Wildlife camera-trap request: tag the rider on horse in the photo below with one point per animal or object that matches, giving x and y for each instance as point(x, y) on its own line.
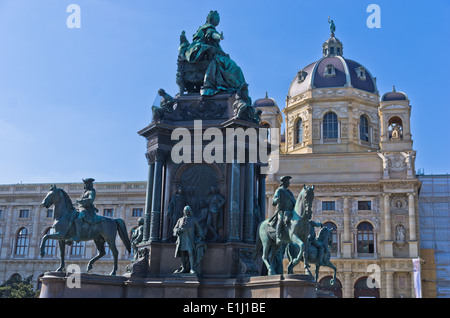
point(284, 200)
point(88, 212)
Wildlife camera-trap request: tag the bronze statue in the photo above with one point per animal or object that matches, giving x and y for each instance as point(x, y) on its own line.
point(284, 200)
point(215, 204)
point(175, 208)
point(189, 245)
point(332, 26)
point(87, 210)
point(165, 106)
point(295, 231)
point(312, 240)
point(137, 236)
point(221, 74)
point(64, 215)
point(242, 106)
point(325, 239)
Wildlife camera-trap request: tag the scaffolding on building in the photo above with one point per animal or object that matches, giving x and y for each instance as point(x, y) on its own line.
point(434, 218)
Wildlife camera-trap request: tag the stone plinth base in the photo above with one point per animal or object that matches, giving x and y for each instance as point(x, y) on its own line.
point(58, 285)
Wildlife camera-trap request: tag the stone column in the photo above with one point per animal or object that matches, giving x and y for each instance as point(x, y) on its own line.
point(148, 201)
point(347, 286)
point(249, 199)
point(413, 243)
point(35, 237)
point(387, 218)
point(347, 243)
point(155, 219)
point(346, 220)
point(412, 217)
point(388, 244)
point(166, 232)
point(389, 285)
point(7, 246)
point(234, 221)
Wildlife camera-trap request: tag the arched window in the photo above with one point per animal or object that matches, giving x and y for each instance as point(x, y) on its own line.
point(298, 131)
point(364, 128)
point(365, 238)
point(50, 245)
point(395, 128)
point(362, 290)
point(333, 228)
point(330, 126)
point(336, 288)
point(22, 242)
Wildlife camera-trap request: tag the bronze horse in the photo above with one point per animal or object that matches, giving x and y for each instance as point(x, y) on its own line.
point(64, 228)
point(324, 238)
point(296, 231)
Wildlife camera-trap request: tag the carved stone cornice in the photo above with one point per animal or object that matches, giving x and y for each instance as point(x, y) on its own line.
point(339, 188)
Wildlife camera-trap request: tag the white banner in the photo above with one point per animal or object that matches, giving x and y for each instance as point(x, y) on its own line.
point(417, 279)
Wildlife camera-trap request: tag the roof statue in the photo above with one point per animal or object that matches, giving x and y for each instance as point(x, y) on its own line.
point(332, 26)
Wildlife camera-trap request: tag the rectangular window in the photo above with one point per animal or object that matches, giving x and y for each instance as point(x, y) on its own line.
point(1, 214)
point(328, 206)
point(49, 213)
point(137, 212)
point(77, 249)
point(364, 205)
point(108, 212)
point(24, 214)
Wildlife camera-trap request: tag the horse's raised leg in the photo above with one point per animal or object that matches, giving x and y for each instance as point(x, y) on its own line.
point(330, 265)
point(54, 236)
point(62, 250)
point(100, 244)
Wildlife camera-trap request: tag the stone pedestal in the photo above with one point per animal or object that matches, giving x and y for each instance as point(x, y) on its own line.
point(54, 285)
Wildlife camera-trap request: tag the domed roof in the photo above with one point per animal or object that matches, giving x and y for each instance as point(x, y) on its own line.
point(394, 95)
point(332, 70)
point(265, 102)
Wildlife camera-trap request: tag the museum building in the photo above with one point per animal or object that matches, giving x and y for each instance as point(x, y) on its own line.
point(354, 146)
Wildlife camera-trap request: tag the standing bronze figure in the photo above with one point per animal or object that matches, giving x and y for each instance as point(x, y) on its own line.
point(189, 245)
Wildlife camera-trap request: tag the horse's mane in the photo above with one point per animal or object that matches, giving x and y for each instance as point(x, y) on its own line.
point(322, 233)
point(67, 199)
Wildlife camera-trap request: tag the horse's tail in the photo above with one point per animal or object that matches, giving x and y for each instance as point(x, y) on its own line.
point(258, 243)
point(122, 229)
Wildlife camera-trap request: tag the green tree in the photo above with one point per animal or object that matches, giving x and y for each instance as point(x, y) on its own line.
point(15, 287)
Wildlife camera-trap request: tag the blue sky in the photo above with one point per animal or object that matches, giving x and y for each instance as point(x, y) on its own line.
point(72, 100)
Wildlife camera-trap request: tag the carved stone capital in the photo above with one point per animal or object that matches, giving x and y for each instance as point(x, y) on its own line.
point(156, 155)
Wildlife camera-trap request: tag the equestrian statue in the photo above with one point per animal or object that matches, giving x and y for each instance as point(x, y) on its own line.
point(83, 224)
